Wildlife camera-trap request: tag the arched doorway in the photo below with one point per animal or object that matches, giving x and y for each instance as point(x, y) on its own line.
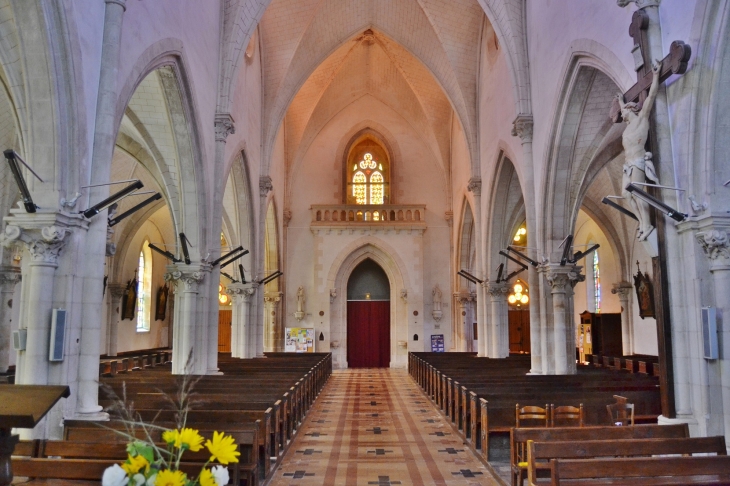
point(368, 317)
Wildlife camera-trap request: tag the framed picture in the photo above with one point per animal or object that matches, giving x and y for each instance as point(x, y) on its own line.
point(644, 294)
point(161, 305)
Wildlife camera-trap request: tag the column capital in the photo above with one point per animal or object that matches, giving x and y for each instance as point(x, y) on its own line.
point(241, 292)
point(43, 233)
point(560, 278)
point(224, 126)
point(622, 289)
point(265, 185)
point(189, 275)
point(522, 127)
point(716, 245)
point(498, 289)
point(273, 297)
point(116, 290)
point(639, 3)
point(333, 295)
point(475, 186)
point(464, 297)
point(9, 274)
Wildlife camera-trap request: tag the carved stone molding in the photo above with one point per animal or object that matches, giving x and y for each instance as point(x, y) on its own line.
point(404, 295)
point(241, 292)
point(475, 186)
point(464, 298)
point(272, 298)
point(333, 295)
point(639, 3)
point(449, 217)
point(265, 185)
point(224, 126)
point(190, 276)
point(715, 244)
point(522, 127)
point(287, 216)
point(44, 244)
point(116, 290)
point(9, 275)
point(562, 278)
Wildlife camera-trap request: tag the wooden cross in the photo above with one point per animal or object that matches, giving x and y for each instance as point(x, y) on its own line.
point(674, 63)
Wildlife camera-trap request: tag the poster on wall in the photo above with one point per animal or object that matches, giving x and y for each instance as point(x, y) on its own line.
point(299, 340)
point(437, 343)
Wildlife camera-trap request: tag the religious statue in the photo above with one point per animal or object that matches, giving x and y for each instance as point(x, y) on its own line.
point(436, 311)
point(639, 166)
point(299, 314)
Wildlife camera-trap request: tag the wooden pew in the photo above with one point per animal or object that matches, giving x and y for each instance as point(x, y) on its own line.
point(539, 454)
point(651, 471)
point(520, 437)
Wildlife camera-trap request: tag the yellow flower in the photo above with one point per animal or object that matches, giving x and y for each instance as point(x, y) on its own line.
point(170, 478)
point(206, 478)
point(170, 436)
point(222, 448)
point(134, 464)
point(189, 439)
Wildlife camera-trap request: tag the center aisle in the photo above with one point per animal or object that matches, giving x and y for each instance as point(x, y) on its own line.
point(375, 426)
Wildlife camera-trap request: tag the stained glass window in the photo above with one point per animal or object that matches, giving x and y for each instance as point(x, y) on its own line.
point(359, 186)
point(376, 188)
point(596, 282)
point(144, 289)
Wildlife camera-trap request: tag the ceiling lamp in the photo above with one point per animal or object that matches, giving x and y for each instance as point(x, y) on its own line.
point(222, 296)
point(518, 297)
point(520, 234)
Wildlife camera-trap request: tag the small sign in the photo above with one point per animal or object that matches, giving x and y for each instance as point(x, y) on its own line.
point(437, 343)
point(299, 340)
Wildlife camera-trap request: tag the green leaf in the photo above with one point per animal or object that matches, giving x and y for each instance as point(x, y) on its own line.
point(142, 449)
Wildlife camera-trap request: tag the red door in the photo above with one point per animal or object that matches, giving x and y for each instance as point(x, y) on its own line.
point(368, 334)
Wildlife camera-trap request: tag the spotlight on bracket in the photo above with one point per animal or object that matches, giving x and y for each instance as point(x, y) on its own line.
point(567, 245)
point(229, 277)
point(469, 276)
point(271, 277)
point(523, 267)
point(618, 207)
point(12, 157)
point(500, 269)
point(115, 220)
point(520, 255)
point(101, 206)
point(184, 242)
point(656, 203)
point(223, 257)
point(235, 257)
point(578, 255)
point(243, 274)
point(164, 253)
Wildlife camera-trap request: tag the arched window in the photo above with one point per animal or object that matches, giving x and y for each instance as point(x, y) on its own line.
point(368, 173)
point(144, 288)
point(596, 282)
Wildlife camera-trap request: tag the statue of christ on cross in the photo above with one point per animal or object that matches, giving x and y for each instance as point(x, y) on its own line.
point(639, 166)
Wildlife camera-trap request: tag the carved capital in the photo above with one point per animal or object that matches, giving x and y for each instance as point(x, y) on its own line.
point(404, 295)
point(241, 292)
point(224, 126)
point(265, 185)
point(622, 289)
point(715, 244)
point(287, 216)
point(116, 290)
point(475, 186)
point(190, 276)
point(272, 298)
point(333, 295)
point(522, 127)
point(562, 278)
point(497, 290)
point(44, 246)
point(449, 217)
point(464, 298)
point(639, 3)
point(9, 275)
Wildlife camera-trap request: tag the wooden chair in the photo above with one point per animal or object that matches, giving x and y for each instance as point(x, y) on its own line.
point(534, 414)
point(566, 415)
point(621, 412)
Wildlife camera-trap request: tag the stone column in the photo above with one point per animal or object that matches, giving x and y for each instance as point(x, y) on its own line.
point(499, 319)
point(190, 336)
point(241, 294)
point(475, 187)
point(522, 127)
point(463, 300)
point(9, 277)
point(561, 280)
point(116, 291)
point(272, 334)
point(624, 290)
point(265, 187)
point(716, 245)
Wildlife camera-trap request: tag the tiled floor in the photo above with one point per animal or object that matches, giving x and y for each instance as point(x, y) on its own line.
point(376, 427)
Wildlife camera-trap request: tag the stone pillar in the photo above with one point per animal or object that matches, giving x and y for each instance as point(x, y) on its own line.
point(499, 319)
point(561, 280)
point(241, 294)
point(273, 336)
point(475, 187)
point(464, 300)
point(114, 308)
point(190, 333)
point(265, 187)
point(105, 134)
point(522, 127)
point(624, 290)
point(716, 245)
point(9, 277)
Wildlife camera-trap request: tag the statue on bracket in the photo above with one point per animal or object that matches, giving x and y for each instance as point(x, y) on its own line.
point(299, 314)
point(129, 301)
point(639, 166)
point(644, 293)
point(161, 307)
point(437, 296)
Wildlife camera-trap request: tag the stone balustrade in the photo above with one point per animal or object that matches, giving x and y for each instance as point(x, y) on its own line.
point(349, 214)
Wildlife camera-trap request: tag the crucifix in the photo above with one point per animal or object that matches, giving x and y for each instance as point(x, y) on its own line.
point(639, 165)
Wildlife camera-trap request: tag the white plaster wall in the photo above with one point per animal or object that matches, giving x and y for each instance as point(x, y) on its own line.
point(419, 180)
point(645, 331)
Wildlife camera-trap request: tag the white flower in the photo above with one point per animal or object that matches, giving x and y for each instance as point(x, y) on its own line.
point(138, 479)
point(114, 476)
point(151, 480)
point(220, 473)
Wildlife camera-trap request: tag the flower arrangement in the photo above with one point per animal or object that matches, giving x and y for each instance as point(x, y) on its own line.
point(157, 463)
